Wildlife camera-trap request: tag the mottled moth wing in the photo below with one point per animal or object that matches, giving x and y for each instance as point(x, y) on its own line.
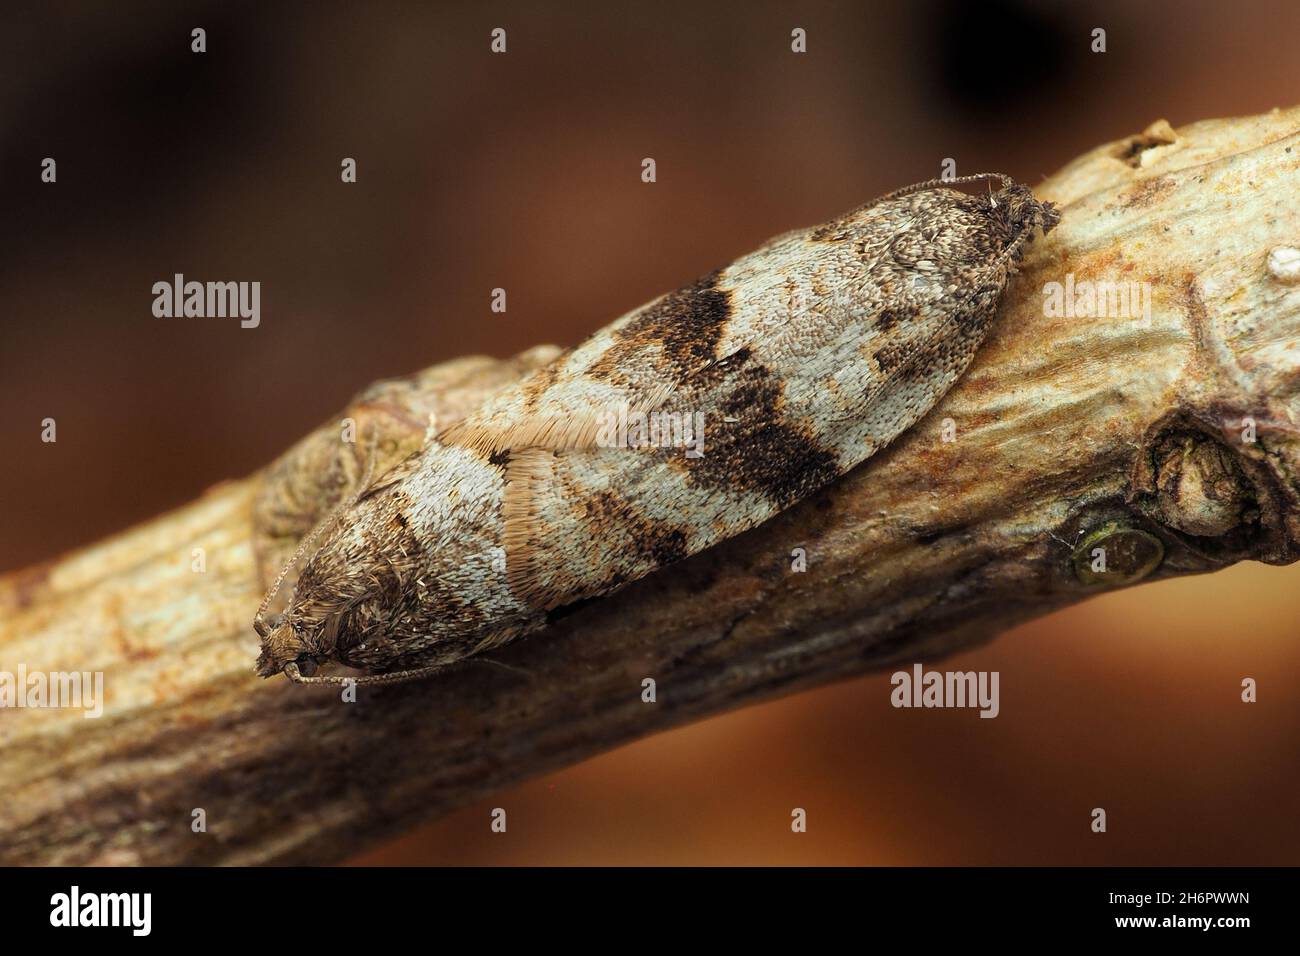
point(772, 376)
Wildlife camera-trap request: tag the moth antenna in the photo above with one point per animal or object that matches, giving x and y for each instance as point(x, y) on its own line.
point(258, 623)
point(394, 677)
point(939, 183)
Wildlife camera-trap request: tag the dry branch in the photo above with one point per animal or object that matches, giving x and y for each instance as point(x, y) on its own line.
point(1072, 433)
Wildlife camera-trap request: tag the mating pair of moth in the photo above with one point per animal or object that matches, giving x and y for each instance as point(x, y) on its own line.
point(804, 358)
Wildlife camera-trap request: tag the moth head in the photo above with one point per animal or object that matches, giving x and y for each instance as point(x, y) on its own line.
point(1021, 213)
point(286, 642)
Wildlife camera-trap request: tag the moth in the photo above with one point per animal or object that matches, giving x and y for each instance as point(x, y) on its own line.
point(792, 365)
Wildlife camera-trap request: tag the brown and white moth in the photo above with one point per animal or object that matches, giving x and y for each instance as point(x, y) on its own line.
point(802, 359)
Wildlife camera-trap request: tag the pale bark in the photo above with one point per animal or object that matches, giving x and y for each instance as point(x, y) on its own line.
point(1071, 434)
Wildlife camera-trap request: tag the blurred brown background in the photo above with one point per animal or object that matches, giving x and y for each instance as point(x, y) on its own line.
point(522, 171)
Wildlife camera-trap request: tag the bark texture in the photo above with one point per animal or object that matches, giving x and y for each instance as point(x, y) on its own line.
point(1165, 442)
